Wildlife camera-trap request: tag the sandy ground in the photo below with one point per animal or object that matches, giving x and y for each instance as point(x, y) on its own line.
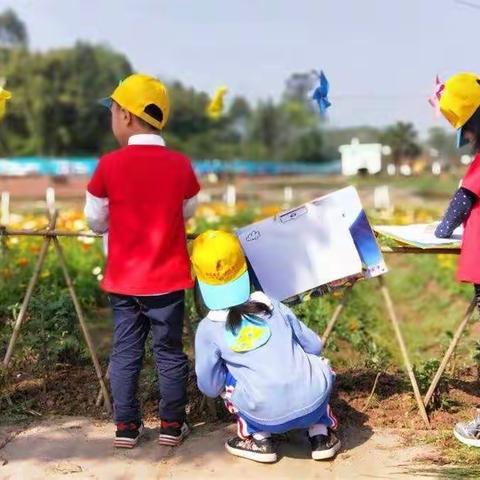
point(81, 448)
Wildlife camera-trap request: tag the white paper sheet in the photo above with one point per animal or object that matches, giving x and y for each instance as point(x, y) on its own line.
point(420, 235)
point(301, 249)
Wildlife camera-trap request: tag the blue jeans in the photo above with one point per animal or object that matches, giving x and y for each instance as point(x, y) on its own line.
point(133, 318)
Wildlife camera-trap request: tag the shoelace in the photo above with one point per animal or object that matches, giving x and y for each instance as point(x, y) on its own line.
point(165, 424)
point(252, 444)
point(127, 426)
point(473, 427)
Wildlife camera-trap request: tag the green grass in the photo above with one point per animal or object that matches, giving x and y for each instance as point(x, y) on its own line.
point(454, 453)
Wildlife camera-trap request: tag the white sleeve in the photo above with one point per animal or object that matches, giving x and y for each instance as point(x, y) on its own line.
point(189, 207)
point(96, 212)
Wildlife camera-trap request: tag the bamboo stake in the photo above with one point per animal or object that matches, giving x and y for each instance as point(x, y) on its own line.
point(99, 399)
point(57, 233)
point(191, 336)
point(406, 359)
point(449, 352)
point(336, 315)
point(48, 233)
point(83, 324)
point(31, 285)
point(367, 403)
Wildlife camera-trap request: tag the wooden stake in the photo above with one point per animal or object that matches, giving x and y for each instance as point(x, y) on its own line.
point(31, 285)
point(336, 315)
point(83, 324)
point(99, 399)
point(191, 335)
point(367, 403)
point(449, 352)
point(401, 343)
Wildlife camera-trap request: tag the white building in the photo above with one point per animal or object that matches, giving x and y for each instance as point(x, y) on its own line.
point(362, 156)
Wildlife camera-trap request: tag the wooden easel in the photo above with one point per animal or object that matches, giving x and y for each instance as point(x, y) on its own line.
point(50, 235)
point(422, 403)
point(398, 334)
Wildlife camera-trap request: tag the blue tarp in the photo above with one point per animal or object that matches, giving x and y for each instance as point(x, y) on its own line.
point(86, 165)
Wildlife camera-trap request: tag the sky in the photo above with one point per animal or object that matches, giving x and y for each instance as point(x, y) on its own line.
point(380, 56)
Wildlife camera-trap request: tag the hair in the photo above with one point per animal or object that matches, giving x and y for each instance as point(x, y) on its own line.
point(473, 126)
point(235, 314)
point(153, 111)
point(250, 308)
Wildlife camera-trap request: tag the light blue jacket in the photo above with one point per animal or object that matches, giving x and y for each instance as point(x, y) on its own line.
point(280, 381)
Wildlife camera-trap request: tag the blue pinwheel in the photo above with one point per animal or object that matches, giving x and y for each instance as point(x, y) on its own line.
point(320, 94)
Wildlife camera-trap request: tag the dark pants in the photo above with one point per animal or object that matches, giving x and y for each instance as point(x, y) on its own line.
point(133, 318)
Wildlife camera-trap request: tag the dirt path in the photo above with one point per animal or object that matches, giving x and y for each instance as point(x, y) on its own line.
point(81, 448)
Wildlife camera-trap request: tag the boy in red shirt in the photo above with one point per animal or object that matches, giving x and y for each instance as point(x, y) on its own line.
point(141, 195)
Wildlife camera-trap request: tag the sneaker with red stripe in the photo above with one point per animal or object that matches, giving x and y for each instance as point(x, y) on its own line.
point(172, 433)
point(127, 434)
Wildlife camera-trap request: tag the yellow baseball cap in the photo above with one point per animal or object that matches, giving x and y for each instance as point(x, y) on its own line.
point(144, 96)
point(221, 269)
point(459, 101)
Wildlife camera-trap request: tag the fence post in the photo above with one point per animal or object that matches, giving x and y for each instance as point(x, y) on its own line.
point(50, 199)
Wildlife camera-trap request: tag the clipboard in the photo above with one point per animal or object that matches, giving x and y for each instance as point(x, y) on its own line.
point(300, 249)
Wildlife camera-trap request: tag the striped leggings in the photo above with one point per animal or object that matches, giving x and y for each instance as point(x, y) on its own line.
point(317, 422)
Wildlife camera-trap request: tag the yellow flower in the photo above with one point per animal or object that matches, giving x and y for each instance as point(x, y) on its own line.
point(23, 262)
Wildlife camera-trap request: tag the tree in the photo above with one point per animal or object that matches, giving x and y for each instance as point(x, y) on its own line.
point(269, 128)
point(13, 32)
point(239, 115)
point(187, 116)
point(443, 142)
point(402, 139)
point(308, 148)
point(298, 86)
point(240, 108)
point(53, 110)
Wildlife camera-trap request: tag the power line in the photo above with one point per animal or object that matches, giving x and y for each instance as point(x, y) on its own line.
point(468, 4)
point(354, 96)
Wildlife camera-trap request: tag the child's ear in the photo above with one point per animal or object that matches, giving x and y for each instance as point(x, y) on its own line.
point(127, 117)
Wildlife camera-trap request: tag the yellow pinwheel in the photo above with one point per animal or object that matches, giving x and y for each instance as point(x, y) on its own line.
point(4, 96)
point(215, 107)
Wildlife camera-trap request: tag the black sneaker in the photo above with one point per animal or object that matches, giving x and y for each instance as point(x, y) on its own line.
point(127, 434)
point(172, 433)
point(258, 450)
point(325, 446)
